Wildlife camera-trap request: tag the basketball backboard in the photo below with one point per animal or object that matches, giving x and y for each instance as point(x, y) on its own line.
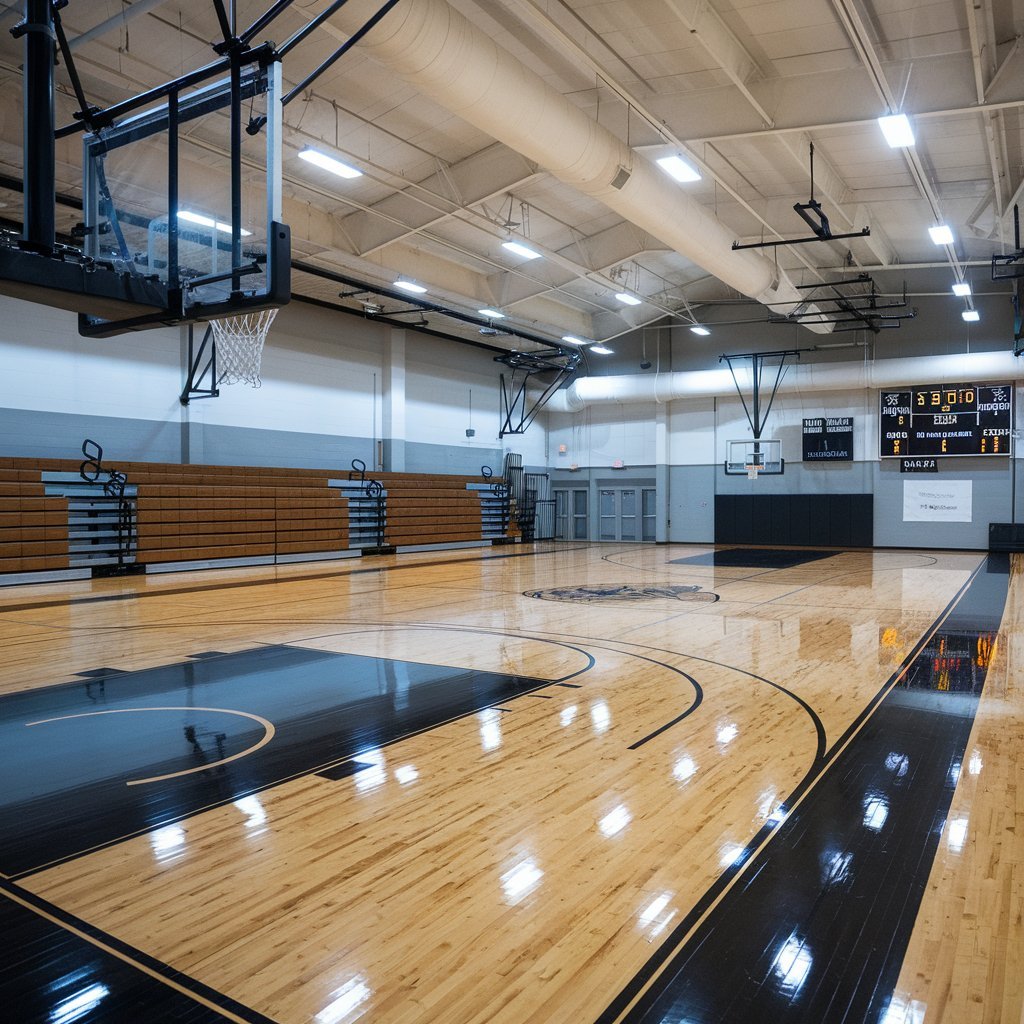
point(750, 458)
point(169, 198)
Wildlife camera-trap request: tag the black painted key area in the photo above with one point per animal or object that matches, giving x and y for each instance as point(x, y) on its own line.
point(754, 558)
point(75, 758)
point(818, 926)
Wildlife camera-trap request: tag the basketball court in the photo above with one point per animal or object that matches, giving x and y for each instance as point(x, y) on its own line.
point(663, 699)
point(439, 791)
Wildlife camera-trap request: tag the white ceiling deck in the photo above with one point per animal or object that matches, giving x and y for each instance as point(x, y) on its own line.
point(739, 88)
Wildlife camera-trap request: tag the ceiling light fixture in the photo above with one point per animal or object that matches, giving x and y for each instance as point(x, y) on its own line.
point(570, 339)
point(601, 350)
point(702, 331)
point(676, 167)
point(521, 250)
point(897, 131)
point(328, 163)
point(627, 300)
point(208, 222)
point(971, 315)
point(494, 314)
point(410, 286)
point(941, 234)
point(961, 288)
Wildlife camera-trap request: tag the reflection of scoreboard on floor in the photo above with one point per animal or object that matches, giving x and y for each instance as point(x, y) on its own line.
point(951, 419)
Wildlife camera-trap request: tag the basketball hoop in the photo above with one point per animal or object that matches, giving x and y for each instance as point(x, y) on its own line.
point(752, 472)
point(240, 346)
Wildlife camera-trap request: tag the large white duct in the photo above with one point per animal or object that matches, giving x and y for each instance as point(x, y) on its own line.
point(436, 49)
point(799, 378)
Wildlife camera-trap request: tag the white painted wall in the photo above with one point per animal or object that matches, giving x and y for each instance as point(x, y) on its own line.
point(691, 439)
point(321, 372)
point(600, 434)
point(699, 428)
point(322, 375)
point(440, 377)
point(47, 367)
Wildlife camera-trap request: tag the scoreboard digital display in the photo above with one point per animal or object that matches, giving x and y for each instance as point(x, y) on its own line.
point(948, 419)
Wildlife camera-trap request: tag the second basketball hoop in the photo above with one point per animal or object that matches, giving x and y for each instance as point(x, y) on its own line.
point(751, 458)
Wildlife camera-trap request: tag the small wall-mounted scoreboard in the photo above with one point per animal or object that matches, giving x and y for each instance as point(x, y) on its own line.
point(947, 419)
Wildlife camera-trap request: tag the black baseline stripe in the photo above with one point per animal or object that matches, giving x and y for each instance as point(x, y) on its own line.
point(818, 925)
point(51, 972)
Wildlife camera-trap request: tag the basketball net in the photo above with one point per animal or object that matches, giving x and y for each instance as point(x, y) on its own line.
point(240, 346)
point(752, 472)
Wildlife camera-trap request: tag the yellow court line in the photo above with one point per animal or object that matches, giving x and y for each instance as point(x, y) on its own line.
point(268, 735)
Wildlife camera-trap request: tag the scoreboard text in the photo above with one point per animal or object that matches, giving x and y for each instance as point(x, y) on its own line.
point(951, 419)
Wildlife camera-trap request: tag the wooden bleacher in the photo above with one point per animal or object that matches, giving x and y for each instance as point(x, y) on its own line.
point(33, 527)
point(196, 513)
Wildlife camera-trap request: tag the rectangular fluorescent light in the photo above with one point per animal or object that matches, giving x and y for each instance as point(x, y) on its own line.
point(570, 340)
point(494, 314)
point(626, 299)
point(961, 288)
point(208, 222)
point(897, 130)
point(328, 163)
point(521, 250)
point(601, 350)
point(676, 167)
point(971, 315)
point(941, 235)
point(410, 286)
point(702, 331)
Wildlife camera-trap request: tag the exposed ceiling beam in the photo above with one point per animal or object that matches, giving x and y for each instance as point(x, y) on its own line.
point(115, 21)
point(553, 33)
point(484, 175)
point(860, 39)
point(728, 52)
point(820, 126)
point(981, 32)
point(638, 107)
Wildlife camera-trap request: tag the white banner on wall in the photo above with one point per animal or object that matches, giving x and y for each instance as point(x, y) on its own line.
point(941, 501)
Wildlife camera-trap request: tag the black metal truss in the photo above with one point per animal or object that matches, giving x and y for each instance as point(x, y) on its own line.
point(851, 301)
point(548, 370)
point(1013, 262)
point(757, 417)
point(202, 365)
point(814, 217)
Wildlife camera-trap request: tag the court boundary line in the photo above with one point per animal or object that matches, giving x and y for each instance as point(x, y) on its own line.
point(196, 990)
point(642, 981)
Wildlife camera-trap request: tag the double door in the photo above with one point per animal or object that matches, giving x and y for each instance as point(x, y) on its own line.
point(626, 514)
point(571, 513)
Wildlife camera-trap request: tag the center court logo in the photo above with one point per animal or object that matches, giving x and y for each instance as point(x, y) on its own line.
point(596, 592)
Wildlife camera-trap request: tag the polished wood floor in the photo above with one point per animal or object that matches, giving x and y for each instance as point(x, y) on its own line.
point(522, 863)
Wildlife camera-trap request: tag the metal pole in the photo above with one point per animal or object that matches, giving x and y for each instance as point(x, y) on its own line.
point(755, 367)
point(172, 195)
point(338, 54)
point(40, 188)
point(236, 172)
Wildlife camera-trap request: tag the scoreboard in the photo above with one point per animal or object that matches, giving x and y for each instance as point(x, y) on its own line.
point(947, 419)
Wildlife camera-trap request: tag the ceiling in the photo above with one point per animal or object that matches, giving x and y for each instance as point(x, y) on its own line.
point(740, 88)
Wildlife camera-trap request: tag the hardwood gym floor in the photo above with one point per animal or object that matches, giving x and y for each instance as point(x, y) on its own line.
point(575, 783)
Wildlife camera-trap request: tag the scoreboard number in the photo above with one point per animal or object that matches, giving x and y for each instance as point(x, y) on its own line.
point(948, 420)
